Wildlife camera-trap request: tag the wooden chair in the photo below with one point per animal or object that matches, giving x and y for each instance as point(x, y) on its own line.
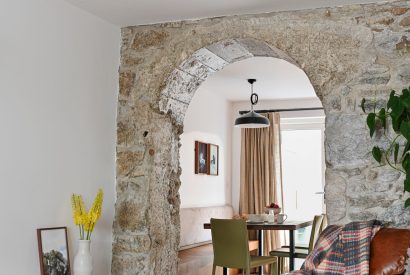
point(324, 223)
point(323, 226)
point(231, 247)
point(300, 252)
point(253, 247)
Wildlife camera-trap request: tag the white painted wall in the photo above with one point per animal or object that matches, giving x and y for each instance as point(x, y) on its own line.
point(208, 120)
point(58, 93)
point(262, 105)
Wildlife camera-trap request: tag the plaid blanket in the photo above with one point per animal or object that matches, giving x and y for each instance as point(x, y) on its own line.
point(342, 250)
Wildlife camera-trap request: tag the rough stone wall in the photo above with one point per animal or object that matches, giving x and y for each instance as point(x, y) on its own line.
point(348, 53)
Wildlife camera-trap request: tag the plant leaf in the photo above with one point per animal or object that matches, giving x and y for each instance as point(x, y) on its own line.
point(362, 104)
point(377, 154)
point(405, 99)
point(371, 123)
point(407, 203)
point(405, 163)
point(406, 148)
point(396, 122)
point(392, 98)
point(397, 108)
point(407, 184)
point(405, 129)
point(396, 151)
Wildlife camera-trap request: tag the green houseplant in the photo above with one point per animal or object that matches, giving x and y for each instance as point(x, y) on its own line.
point(395, 116)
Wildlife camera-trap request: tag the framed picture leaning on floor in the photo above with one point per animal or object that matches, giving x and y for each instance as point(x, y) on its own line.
point(53, 251)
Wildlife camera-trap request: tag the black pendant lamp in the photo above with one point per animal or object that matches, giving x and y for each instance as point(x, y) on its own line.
point(252, 119)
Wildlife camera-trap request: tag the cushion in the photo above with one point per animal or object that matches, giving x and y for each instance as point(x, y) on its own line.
point(388, 251)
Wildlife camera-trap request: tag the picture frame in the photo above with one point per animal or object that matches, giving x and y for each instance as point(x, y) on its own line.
point(213, 159)
point(201, 158)
point(53, 251)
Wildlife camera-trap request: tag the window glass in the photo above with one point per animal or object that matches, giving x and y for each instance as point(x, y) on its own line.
point(302, 174)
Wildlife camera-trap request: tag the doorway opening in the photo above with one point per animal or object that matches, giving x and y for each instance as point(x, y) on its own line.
point(209, 118)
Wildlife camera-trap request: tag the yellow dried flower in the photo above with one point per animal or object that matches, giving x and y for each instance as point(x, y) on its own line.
point(95, 209)
point(74, 208)
point(78, 208)
point(86, 220)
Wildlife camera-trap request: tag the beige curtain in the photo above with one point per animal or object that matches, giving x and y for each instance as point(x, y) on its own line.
point(261, 173)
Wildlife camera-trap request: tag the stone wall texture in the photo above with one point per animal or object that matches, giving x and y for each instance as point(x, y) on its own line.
point(348, 53)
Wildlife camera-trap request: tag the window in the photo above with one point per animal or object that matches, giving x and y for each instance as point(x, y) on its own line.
point(303, 170)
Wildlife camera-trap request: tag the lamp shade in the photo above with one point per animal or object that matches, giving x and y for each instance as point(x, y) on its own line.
point(252, 120)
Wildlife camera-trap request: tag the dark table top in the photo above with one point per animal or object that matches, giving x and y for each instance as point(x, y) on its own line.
point(287, 225)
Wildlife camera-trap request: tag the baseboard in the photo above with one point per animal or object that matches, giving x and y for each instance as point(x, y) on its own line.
point(194, 245)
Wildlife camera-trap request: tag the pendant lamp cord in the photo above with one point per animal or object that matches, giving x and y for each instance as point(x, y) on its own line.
point(254, 98)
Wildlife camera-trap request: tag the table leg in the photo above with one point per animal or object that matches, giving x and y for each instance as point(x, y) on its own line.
point(225, 271)
point(260, 242)
point(291, 250)
point(260, 248)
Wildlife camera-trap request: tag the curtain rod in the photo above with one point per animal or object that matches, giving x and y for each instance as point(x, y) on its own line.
point(283, 110)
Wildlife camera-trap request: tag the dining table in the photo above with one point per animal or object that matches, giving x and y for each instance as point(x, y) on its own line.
point(260, 227)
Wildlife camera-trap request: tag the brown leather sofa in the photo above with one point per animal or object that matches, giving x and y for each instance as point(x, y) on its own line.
point(388, 251)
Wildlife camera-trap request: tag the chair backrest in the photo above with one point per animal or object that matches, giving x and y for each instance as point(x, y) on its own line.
point(230, 243)
point(324, 223)
point(314, 235)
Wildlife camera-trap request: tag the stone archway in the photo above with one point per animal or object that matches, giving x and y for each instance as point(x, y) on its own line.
point(344, 52)
point(174, 99)
point(185, 79)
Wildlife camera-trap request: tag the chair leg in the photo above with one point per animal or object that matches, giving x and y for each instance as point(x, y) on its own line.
point(284, 265)
point(213, 269)
point(273, 268)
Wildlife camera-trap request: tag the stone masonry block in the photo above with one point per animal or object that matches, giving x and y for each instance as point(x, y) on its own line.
point(230, 50)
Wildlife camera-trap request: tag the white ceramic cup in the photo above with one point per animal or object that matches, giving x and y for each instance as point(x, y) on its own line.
point(282, 218)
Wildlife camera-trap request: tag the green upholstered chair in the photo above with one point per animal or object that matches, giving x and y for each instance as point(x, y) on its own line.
point(300, 252)
point(231, 247)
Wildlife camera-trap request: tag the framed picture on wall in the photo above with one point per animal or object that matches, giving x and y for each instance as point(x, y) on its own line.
point(213, 159)
point(201, 158)
point(53, 251)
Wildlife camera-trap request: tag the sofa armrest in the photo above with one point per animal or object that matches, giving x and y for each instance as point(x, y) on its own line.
point(388, 251)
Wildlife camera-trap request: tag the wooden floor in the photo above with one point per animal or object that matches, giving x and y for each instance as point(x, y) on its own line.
point(197, 261)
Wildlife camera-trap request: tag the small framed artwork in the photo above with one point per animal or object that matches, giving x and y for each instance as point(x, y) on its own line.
point(201, 158)
point(53, 251)
point(213, 159)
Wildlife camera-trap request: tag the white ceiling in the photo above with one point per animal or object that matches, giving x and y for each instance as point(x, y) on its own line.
point(140, 12)
point(277, 79)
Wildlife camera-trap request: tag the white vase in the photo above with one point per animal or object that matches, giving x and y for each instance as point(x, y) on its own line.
point(83, 260)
